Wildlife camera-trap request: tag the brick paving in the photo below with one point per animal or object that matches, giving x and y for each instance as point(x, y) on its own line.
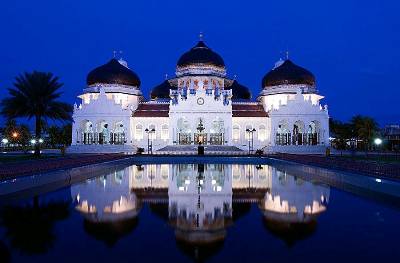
point(12, 170)
point(368, 167)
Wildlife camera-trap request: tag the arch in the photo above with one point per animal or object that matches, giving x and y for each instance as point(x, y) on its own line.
point(283, 135)
point(118, 133)
point(184, 131)
point(217, 130)
point(164, 132)
point(153, 135)
point(313, 132)
point(86, 132)
point(298, 136)
point(262, 133)
point(139, 131)
point(236, 132)
point(103, 129)
point(247, 134)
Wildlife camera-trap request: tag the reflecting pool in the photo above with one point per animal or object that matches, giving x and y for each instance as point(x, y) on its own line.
point(201, 212)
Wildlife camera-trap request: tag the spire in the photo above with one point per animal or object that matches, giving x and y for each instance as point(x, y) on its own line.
point(114, 53)
point(201, 36)
point(287, 54)
point(166, 76)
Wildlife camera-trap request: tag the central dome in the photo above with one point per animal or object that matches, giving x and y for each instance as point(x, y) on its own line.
point(200, 54)
point(113, 72)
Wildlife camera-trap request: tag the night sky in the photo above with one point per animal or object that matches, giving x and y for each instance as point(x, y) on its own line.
point(352, 47)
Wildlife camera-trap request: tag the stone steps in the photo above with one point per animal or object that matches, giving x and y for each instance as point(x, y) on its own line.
point(104, 148)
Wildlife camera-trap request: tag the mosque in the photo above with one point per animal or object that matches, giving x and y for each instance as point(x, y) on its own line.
point(200, 105)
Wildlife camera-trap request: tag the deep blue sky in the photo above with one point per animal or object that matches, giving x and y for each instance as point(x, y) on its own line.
point(352, 47)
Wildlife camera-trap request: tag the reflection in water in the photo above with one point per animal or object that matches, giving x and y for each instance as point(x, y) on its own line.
point(108, 206)
point(292, 206)
point(200, 201)
point(29, 226)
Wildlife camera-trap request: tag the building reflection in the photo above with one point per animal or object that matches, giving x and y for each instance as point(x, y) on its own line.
point(108, 206)
point(292, 206)
point(200, 202)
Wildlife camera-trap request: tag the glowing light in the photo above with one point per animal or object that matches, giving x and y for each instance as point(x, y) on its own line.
point(33, 141)
point(15, 135)
point(378, 141)
point(4, 140)
point(40, 140)
point(378, 180)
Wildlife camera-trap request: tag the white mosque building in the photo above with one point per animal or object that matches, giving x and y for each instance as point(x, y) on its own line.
point(200, 105)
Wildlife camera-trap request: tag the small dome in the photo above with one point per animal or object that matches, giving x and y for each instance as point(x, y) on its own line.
point(161, 91)
point(200, 54)
point(239, 92)
point(288, 73)
point(113, 72)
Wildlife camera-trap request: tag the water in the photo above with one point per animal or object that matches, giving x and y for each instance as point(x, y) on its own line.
point(204, 212)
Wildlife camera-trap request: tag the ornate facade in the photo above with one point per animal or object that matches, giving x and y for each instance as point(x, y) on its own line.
point(200, 105)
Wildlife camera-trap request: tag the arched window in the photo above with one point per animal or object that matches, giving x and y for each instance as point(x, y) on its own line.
point(283, 135)
point(262, 133)
point(247, 134)
point(236, 133)
point(154, 133)
point(164, 132)
point(139, 132)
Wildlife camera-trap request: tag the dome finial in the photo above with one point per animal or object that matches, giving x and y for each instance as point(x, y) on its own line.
point(114, 53)
point(201, 36)
point(166, 76)
point(287, 54)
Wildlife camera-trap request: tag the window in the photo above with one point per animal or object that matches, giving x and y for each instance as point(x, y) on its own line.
point(164, 132)
point(262, 133)
point(152, 134)
point(236, 133)
point(139, 132)
point(247, 134)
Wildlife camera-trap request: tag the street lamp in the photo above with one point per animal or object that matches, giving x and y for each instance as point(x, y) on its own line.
point(148, 140)
point(251, 137)
point(15, 135)
point(378, 141)
point(33, 141)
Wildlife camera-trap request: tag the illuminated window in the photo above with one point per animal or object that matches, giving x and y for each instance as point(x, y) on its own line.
point(236, 132)
point(247, 135)
point(152, 134)
point(262, 133)
point(139, 132)
point(164, 132)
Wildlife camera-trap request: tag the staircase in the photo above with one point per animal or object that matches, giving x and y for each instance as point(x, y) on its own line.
point(101, 148)
point(192, 149)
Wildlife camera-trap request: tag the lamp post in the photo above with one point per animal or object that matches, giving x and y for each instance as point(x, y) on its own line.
point(149, 148)
point(378, 142)
point(251, 137)
point(4, 141)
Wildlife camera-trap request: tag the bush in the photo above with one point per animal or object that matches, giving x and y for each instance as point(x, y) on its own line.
point(140, 150)
point(259, 152)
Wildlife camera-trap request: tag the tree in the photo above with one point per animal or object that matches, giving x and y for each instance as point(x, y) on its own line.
point(342, 132)
point(365, 129)
point(35, 95)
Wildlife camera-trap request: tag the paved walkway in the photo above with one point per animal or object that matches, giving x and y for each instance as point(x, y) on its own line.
point(12, 170)
point(369, 167)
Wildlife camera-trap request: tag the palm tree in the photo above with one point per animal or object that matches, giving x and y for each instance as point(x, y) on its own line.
point(35, 95)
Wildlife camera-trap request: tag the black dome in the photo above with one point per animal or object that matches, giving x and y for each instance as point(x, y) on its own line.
point(161, 91)
point(113, 73)
point(240, 92)
point(288, 73)
point(200, 54)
